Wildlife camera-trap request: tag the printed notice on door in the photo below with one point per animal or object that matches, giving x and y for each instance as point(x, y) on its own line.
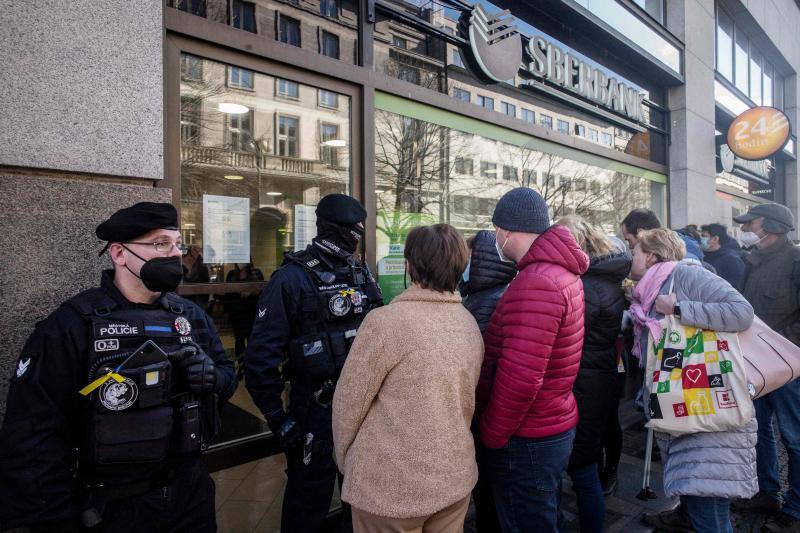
point(226, 229)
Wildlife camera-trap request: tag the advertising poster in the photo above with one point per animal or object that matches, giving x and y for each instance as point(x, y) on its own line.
point(226, 229)
point(305, 225)
point(393, 228)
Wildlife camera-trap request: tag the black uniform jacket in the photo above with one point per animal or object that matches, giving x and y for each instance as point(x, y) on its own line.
point(45, 417)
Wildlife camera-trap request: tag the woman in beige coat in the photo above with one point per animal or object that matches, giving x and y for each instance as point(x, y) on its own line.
point(404, 402)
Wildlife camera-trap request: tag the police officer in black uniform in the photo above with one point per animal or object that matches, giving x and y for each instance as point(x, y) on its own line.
point(103, 430)
point(306, 320)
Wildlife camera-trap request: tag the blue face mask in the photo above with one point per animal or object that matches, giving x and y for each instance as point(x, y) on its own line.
point(465, 275)
point(704, 243)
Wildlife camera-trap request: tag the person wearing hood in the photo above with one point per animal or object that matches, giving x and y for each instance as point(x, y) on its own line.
point(526, 410)
point(772, 285)
point(483, 283)
point(597, 384)
point(725, 259)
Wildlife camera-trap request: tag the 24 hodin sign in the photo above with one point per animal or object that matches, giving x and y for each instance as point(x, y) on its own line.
point(758, 133)
point(496, 54)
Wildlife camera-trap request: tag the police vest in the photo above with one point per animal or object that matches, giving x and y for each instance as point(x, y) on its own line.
point(149, 414)
point(328, 321)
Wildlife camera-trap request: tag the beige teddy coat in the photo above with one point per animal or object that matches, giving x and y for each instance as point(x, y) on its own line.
point(404, 404)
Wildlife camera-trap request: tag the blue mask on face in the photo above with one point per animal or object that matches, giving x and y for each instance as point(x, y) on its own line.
point(465, 275)
point(704, 243)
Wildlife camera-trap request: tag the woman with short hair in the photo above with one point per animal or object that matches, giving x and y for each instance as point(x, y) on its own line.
point(705, 469)
point(405, 399)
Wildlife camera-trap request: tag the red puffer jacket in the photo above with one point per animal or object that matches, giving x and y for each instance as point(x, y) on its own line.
point(533, 345)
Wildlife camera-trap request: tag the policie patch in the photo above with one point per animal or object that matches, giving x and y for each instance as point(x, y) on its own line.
point(339, 304)
point(182, 326)
point(117, 396)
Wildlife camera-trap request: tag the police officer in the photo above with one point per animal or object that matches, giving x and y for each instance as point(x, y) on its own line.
point(306, 321)
point(103, 430)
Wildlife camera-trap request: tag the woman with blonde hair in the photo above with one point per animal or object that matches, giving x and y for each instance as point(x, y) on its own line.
point(705, 469)
point(597, 385)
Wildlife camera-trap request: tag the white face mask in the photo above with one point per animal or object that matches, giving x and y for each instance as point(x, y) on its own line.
point(748, 238)
point(500, 250)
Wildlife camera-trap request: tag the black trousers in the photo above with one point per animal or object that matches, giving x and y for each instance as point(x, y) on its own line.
point(185, 504)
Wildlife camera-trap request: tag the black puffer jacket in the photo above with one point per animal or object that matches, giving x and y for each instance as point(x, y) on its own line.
point(488, 278)
point(605, 302)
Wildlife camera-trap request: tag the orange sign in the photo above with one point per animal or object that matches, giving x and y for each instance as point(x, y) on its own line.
point(639, 145)
point(758, 133)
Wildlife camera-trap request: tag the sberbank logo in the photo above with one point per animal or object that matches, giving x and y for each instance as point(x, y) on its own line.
point(495, 42)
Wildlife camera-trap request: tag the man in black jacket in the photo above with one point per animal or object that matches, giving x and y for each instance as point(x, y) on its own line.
point(724, 258)
point(101, 434)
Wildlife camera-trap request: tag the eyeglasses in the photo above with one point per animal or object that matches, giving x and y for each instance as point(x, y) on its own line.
point(162, 246)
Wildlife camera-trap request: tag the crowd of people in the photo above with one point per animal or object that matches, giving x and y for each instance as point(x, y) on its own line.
point(495, 374)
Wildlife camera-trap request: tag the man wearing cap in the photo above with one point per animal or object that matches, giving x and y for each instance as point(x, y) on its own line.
point(306, 321)
point(102, 429)
point(772, 284)
point(526, 410)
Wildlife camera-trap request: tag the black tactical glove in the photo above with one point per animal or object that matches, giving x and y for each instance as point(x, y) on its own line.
point(198, 369)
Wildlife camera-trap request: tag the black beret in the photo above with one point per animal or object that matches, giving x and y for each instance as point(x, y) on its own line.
point(341, 209)
point(136, 220)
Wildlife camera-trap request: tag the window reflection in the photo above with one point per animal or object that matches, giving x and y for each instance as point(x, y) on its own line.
point(416, 183)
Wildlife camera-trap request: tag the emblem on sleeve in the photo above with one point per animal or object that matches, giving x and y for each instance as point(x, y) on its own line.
point(23, 366)
point(117, 396)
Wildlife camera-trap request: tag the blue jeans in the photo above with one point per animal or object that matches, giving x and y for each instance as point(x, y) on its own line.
point(591, 502)
point(784, 403)
point(525, 477)
point(708, 514)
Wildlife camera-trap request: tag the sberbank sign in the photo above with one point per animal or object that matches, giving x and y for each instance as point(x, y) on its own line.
point(549, 61)
point(497, 49)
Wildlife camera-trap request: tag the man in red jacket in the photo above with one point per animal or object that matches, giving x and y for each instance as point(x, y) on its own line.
point(526, 409)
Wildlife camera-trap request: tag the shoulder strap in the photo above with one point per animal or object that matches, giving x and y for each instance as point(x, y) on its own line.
point(92, 302)
point(310, 265)
point(174, 303)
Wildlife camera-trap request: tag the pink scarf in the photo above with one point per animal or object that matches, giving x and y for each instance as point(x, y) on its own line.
point(644, 296)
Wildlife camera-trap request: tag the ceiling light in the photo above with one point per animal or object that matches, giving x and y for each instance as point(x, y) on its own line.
point(188, 225)
point(234, 177)
point(335, 142)
point(232, 109)
point(273, 193)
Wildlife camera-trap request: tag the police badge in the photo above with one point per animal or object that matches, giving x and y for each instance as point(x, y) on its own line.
point(339, 304)
point(117, 396)
point(182, 326)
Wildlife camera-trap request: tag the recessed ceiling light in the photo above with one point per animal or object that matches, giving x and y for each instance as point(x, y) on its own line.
point(273, 193)
point(232, 109)
point(335, 142)
point(188, 225)
point(234, 177)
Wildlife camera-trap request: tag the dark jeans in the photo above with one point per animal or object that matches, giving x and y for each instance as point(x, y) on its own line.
point(526, 481)
point(186, 504)
point(485, 508)
point(589, 493)
point(708, 514)
point(783, 403)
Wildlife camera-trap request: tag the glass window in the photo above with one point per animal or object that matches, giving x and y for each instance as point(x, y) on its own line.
point(546, 120)
point(330, 45)
point(508, 109)
point(724, 44)
point(485, 101)
point(409, 74)
point(528, 116)
point(289, 30)
point(606, 138)
point(654, 8)
point(399, 42)
point(768, 85)
point(195, 7)
point(457, 61)
point(330, 144)
point(488, 170)
point(580, 130)
point(461, 94)
point(242, 207)
point(328, 99)
point(191, 68)
point(742, 66)
point(755, 77)
point(563, 126)
point(434, 190)
point(240, 78)
point(509, 173)
point(288, 89)
point(329, 8)
point(243, 15)
point(288, 129)
point(463, 165)
point(593, 135)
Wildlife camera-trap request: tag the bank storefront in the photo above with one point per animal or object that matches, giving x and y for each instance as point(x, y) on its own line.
point(427, 112)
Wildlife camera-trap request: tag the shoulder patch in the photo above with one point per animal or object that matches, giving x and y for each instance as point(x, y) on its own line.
point(23, 368)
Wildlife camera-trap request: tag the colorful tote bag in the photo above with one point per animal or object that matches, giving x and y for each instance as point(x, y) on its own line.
point(697, 380)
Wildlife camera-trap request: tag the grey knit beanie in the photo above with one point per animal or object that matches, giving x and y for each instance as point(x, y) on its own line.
point(522, 209)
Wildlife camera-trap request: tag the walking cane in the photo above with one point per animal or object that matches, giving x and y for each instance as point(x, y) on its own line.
point(647, 494)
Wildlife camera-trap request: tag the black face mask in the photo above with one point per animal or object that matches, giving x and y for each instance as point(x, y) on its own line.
point(346, 237)
point(160, 274)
